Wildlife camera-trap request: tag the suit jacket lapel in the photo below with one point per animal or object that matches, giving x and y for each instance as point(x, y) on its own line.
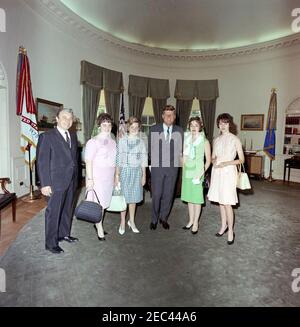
point(161, 128)
point(74, 144)
point(62, 140)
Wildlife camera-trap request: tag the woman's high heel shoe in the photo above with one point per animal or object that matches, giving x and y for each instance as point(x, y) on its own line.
point(231, 242)
point(187, 227)
point(121, 230)
point(133, 227)
point(105, 233)
point(100, 238)
point(225, 231)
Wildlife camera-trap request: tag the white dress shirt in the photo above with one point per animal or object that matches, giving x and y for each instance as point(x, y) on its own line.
point(63, 133)
point(166, 131)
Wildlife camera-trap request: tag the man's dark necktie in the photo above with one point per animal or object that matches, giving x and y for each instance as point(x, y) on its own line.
point(168, 134)
point(68, 139)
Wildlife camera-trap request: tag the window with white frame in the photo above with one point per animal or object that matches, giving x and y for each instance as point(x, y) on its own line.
point(195, 111)
point(101, 109)
point(147, 116)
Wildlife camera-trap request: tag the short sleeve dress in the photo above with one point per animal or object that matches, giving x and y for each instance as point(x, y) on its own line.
point(131, 158)
point(223, 180)
point(192, 168)
point(101, 150)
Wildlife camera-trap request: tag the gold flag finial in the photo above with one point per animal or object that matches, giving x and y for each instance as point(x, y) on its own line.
point(22, 49)
point(273, 90)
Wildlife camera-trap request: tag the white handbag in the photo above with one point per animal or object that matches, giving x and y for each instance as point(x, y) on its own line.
point(117, 202)
point(242, 182)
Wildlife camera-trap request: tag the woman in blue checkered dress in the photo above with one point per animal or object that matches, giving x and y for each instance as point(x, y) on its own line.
point(131, 170)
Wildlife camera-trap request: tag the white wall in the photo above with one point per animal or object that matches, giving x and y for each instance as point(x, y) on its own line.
point(4, 144)
point(244, 82)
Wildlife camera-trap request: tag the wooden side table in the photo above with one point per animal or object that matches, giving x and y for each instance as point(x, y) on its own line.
point(254, 165)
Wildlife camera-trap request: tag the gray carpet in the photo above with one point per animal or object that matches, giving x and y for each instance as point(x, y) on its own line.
point(165, 268)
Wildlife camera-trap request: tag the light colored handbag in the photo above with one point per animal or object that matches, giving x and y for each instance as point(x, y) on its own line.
point(242, 182)
point(117, 202)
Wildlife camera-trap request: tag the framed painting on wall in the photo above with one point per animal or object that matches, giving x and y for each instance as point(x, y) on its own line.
point(252, 122)
point(46, 113)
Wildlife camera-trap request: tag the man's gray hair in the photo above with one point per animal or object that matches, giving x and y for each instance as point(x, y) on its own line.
point(68, 110)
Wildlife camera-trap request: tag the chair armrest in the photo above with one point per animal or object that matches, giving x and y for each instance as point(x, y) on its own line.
point(4, 181)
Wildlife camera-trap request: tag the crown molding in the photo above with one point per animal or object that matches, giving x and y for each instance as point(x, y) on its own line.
point(82, 30)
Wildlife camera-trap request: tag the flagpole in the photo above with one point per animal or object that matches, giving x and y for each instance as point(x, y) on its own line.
point(32, 196)
point(270, 179)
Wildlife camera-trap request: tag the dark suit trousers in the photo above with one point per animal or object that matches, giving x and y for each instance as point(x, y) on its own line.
point(59, 215)
point(163, 181)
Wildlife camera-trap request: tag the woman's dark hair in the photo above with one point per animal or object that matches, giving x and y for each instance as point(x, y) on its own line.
point(198, 120)
point(104, 117)
point(226, 118)
point(131, 120)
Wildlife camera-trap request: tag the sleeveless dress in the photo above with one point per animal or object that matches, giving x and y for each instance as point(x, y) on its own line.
point(223, 180)
point(193, 167)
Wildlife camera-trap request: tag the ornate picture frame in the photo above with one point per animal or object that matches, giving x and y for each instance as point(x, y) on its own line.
point(46, 113)
point(252, 122)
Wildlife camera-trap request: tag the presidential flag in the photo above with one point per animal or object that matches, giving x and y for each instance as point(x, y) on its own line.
point(270, 139)
point(26, 108)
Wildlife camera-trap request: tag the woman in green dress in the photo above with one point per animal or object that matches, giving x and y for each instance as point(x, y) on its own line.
point(196, 148)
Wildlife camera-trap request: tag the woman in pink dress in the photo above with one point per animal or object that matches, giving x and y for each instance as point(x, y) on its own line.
point(100, 159)
point(224, 173)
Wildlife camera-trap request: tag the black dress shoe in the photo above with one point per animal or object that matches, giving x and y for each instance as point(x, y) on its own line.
point(69, 239)
point(231, 242)
point(56, 249)
point(186, 227)
point(225, 231)
point(165, 225)
point(153, 226)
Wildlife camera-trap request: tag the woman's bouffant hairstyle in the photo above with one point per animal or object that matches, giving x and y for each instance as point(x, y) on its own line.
point(104, 117)
point(226, 118)
point(131, 120)
point(198, 120)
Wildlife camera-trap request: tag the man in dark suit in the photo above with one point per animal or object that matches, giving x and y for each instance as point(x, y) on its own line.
point(57, 169)
point(165, 154)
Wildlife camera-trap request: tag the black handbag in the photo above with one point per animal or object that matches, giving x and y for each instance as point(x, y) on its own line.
point(88, 210)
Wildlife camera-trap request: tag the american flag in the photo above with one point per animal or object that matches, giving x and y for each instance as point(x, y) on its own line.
point(122, 123)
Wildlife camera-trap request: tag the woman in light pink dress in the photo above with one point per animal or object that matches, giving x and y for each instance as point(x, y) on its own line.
point(100, 159)
point(224, 173)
